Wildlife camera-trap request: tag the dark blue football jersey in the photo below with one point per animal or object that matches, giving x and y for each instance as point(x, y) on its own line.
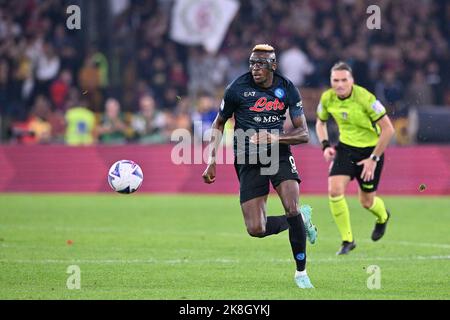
point(260, 108)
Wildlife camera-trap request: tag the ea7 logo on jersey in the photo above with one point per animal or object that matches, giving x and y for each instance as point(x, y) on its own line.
point(249, 94)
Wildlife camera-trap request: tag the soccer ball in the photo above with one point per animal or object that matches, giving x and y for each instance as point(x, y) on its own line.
point(125, 176)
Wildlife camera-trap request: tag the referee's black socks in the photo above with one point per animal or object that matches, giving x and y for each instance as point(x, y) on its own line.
point(297, 238)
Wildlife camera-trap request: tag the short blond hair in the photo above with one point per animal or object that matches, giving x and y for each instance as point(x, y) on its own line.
point(263, 47)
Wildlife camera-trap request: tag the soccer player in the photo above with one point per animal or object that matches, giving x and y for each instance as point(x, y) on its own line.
point(259, 100)
point(364, 133)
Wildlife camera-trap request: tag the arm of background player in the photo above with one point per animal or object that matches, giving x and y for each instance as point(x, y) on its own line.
point(209, 175)
point(297, 135)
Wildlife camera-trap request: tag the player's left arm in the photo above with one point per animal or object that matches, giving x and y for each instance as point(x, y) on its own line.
point(387, 131)
point(299, 134)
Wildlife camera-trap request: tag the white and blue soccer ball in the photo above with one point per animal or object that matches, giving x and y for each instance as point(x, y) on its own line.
point(125, 176)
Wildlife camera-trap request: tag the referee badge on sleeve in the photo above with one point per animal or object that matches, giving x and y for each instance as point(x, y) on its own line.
point(378, 107)
point(344, 115)
point(319, 108)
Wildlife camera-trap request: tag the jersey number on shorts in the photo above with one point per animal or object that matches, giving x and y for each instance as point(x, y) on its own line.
point(294, 167)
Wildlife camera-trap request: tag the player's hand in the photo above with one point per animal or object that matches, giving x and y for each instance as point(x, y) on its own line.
point(329, 154)
point(263, 137)
point(209, 175)
point(368, 171)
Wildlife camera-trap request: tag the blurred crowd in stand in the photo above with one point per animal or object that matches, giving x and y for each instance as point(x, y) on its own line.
point(58, 87)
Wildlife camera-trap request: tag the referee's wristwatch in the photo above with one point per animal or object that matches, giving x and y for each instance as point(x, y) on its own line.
point(375, 157)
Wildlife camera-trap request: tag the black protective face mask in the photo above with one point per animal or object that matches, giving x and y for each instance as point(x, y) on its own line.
point(262, 63)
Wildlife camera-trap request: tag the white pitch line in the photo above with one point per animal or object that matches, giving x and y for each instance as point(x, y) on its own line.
point(345, 259)
point(418, 244)
point(387, 242)
point(393, 242)
point(118, 261)
point(214, 261)
point(201, 234)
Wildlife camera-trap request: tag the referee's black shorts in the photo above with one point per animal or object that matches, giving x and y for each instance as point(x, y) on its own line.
point(253, 184)
point(345, 163)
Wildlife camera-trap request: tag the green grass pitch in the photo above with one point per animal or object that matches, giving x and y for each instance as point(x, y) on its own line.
point(144, 246)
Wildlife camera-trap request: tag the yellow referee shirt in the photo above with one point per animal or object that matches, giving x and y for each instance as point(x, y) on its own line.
point(355, 116)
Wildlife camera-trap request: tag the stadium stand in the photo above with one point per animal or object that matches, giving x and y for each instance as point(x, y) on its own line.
point(42, 62)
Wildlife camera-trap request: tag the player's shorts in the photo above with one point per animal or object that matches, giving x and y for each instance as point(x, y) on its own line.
point(345, 163)
point(253, 184)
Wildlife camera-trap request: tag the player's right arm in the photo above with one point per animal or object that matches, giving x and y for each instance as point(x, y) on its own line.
point(229, 104)
point(322, 131)
point(209, 175)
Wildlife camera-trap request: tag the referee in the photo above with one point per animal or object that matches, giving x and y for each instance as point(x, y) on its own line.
point(364, 133)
